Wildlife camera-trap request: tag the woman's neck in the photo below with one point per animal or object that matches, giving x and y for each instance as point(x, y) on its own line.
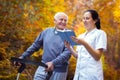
point(90, 30)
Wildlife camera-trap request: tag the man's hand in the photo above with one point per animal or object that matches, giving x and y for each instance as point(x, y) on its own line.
point(50, 66)
point(17, 63)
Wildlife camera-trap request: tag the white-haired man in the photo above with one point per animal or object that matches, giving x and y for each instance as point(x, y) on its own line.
point(55, 54)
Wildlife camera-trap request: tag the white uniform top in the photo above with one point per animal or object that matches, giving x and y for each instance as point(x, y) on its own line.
point(87, 67)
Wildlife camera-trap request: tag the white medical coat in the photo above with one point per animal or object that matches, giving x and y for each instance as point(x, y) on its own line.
point(87, 67)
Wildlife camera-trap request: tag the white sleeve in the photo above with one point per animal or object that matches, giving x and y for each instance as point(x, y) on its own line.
point(101, 41)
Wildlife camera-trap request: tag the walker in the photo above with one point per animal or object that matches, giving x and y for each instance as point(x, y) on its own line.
point(23, 66)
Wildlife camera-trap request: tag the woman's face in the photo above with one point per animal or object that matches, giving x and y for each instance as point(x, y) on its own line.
point(88, 21)
point(61, 22)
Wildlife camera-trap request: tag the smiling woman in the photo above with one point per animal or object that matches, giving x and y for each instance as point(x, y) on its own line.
point(92, 43)
point(91, 20)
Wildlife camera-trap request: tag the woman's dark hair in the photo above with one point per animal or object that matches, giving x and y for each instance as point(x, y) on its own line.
point(95, 16)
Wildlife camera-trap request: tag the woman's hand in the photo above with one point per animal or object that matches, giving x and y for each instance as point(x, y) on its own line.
point(67, 44)
point(78, 41)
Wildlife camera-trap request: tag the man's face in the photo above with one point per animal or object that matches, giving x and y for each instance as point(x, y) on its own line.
point(61, 22)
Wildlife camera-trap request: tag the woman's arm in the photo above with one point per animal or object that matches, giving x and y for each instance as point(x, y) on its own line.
point(95, 53)
point(74, 53)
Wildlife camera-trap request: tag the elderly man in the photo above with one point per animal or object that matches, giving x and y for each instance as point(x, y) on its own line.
point(55, 54)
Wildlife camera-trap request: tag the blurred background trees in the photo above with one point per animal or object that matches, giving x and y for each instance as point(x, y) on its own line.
point(22, 20)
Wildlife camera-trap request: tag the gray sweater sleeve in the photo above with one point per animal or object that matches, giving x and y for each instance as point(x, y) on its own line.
point(63, 57)
point(36, 45)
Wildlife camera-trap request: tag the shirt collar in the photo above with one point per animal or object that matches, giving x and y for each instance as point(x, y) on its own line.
point(86, 33)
